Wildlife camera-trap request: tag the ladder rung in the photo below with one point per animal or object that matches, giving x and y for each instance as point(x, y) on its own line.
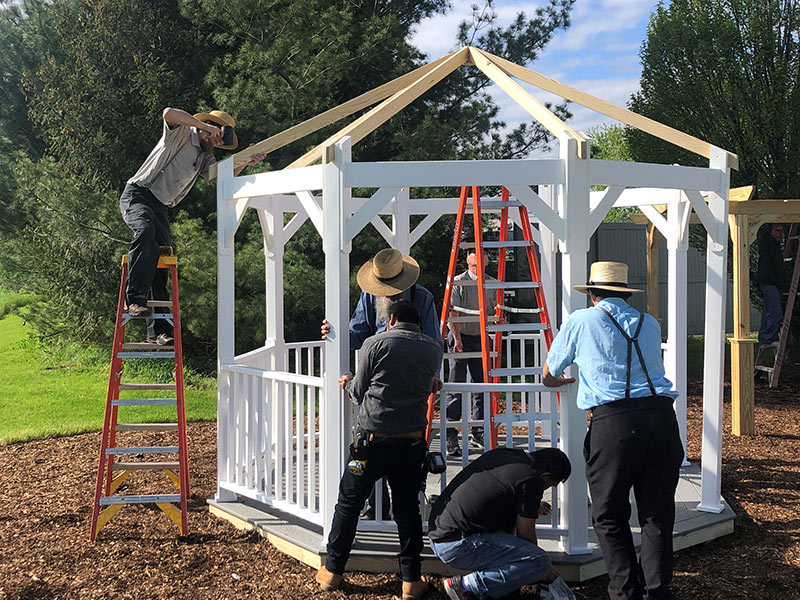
point(497, 244)
point(518, 327)
point(170, 354)
point(143, 450)
point(514, 371)
point(159, 303)
point(154, 499)
point(499, 203)
point(467, 354)
point(147, 386)
point(146, 426)
point(767, 369)
point(145, 466)
point(496, 285)
point(152, 315)
point(794, 237)
point(144, 401)
point(472, 319)
point(788, 259)
point(146, 346)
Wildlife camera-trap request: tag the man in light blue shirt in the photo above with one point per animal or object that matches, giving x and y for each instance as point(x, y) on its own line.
point(633, 439)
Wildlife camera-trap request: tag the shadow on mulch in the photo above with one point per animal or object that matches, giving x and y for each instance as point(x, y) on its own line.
point(47, 488)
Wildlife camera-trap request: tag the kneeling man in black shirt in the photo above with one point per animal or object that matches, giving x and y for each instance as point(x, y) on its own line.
point(471, 523)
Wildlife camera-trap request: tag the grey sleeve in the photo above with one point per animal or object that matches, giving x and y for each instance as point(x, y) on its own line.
point(359, 384)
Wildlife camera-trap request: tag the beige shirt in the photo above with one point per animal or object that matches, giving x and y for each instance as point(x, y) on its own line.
point(174, 164)
point(466, 296)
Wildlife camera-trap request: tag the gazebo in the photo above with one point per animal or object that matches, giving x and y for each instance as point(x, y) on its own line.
point(283, 426)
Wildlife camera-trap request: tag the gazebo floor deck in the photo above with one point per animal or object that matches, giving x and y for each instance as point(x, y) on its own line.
point(375, 551)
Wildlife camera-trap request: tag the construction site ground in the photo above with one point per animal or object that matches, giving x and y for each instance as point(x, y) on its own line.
point(47, 488)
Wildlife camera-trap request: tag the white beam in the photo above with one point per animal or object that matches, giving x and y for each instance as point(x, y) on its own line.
point(277, 182)
point(538, 208)
point(633, 174)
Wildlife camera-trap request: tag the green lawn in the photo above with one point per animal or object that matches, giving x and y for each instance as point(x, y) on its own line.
point(45, 395)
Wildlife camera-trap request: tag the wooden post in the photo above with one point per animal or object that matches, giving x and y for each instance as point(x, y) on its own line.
point(653, 242)
point(742, 363)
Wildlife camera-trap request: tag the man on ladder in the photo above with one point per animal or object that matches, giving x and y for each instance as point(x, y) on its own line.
point(466, 337)
point(771, 282)
point(185, 151)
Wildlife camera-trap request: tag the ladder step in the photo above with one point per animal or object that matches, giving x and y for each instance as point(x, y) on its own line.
point(152, 315)
point(500, 203)
point(467, 354)
point(766, 369)
point(147, 386)
point(497, 244)
point(518, 327)
point(146, 354)
point(142, 450)
point(146, 346)
point(515, 371)
point(146, 426)
point(496, 285)
point(144, 401)
point(145, 466)
point(159, 303)
point(155, 499)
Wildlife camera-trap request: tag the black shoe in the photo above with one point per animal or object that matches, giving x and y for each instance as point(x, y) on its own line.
point(453, 449)
point(455, 590)
point(369, 515)
point(477, 437)
point(137, 310)
point(162, 339)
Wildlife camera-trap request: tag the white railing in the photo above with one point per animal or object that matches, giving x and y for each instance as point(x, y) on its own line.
point(269, 431)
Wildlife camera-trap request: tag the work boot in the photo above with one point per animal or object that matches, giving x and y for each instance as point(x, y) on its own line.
point(414, 590)
point(137, 310)
point(477, 437)
point(453, 449)
point(328, 581)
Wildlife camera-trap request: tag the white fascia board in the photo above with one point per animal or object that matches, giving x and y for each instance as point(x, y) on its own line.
point(645, 196)
point(454, 173)
point(633, 174)
point(277, 182)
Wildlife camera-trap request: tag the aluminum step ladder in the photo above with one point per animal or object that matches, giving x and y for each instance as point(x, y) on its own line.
point(118, 462)
point(495, 325)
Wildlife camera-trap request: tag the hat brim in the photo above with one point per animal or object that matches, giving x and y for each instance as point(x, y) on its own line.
point(584, 289)
point(213, 119)
point(388, 287)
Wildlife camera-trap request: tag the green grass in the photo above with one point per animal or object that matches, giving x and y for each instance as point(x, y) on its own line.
point(63, 392)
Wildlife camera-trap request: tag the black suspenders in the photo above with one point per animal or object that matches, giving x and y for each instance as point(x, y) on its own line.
point(634, 342)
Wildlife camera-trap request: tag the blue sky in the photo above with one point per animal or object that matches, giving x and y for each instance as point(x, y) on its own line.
point(598, 54)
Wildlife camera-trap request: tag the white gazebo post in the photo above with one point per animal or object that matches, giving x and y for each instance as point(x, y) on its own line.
point(714, 364)
point(335, 203)
point(226, 221)
point(401, 221)
point(271, 221)
point(677, 331)
point(575, 516)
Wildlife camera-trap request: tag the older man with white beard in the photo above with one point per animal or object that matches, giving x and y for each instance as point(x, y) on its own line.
point(388, 277)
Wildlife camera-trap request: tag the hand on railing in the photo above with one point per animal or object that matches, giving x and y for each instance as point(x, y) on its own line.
point(549, 381)
point(436, 384)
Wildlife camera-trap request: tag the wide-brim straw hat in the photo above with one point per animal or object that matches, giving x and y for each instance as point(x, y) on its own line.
point(220, 117)
point(607, 275)
point(389, 273)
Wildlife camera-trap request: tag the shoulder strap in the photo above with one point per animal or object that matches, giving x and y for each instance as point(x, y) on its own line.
point(632, 342)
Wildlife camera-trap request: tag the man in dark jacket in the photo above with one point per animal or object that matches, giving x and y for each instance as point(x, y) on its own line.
point(771, 282)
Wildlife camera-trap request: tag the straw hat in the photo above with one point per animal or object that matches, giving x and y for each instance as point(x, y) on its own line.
point(221, 118)
point(390, 272)
point(607, 275)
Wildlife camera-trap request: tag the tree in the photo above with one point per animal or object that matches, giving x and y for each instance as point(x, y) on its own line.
point(726, 71)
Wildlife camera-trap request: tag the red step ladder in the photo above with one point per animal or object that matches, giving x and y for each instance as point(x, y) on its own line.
point(114, 465)
point(494, 324)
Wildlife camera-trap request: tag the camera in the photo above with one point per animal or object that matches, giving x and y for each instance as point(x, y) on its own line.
point(227, 135)
point(435, 463)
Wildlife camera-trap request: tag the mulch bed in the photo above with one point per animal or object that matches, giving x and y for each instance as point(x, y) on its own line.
point(47, 488)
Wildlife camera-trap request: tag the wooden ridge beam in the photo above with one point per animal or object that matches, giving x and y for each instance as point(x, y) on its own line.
point(314, 124)
point(683, 140)
point(364, 125)
point(531, 105)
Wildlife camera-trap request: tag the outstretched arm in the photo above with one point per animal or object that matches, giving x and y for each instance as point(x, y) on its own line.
point(176, 116)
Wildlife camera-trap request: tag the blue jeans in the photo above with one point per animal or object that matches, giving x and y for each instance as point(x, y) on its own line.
point(500, 562)
point(771, 315)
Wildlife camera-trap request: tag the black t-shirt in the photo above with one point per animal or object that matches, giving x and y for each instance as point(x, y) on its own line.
point(487, 496)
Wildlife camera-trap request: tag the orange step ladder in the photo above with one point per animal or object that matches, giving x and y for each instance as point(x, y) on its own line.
point(494, 324)
point(115, 465)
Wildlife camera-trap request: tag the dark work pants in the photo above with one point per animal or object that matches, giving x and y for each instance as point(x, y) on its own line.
point(148, 218)
point(458, 373)
point(634, 443)
point(771, 314)
point(400, 460)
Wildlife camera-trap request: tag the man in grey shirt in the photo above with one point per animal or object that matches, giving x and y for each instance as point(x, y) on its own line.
point(394, 376)
point(184, 152)
point(466, 337)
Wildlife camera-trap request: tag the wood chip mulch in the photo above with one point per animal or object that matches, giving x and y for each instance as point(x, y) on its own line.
point(47, 487)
